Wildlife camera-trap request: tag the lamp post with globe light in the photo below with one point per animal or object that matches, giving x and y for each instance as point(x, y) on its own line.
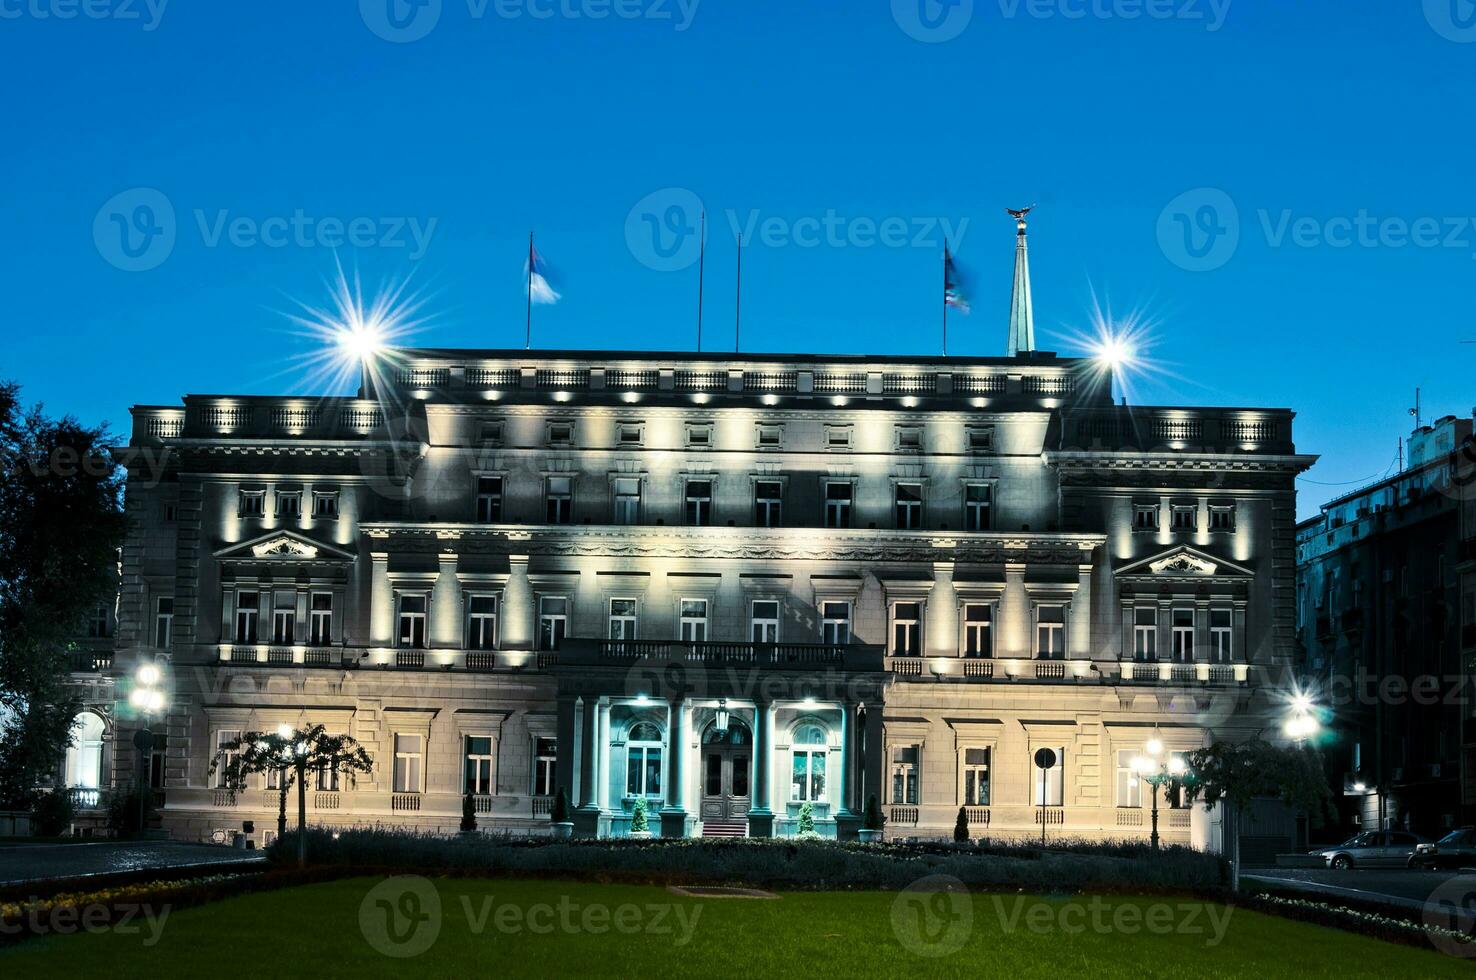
point(147, 698)
point(1157, 770)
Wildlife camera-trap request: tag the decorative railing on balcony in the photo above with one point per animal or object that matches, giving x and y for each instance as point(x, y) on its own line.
point(542, 806)
point(410, 658)
point(405, 801)
point(482, 804)
point(1129, 817)
point(1054, 816)
point(1050, 671)
point(978, 669)
point(904, 816)
point(85, 798)
point(907, 666)
point(326, 801)
point(480, 660)
point(774, 656)
point(91, 661)
point(224, 797)
point(1183, 673)
point(1178, 819)
point(320, 657)
point(977, 816)
point(279, 656)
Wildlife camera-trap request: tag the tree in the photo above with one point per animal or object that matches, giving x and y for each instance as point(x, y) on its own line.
point(638, 822)
point(961, 827)
point(806, 820)
point(468, 813)
point(1236, 773)
point(61, 524)
point(560, 812)
point(292, 754)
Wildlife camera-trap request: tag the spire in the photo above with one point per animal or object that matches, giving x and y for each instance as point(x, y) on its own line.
point(1022, 316)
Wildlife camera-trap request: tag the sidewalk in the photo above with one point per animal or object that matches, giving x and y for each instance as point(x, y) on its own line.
point(21, 863)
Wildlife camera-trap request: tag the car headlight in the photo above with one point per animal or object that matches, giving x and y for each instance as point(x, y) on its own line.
point(1424, 848)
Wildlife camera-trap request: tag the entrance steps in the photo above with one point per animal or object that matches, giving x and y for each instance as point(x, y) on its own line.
point(724, 828)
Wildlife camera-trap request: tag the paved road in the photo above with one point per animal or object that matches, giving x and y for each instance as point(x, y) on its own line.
point(21, 863)
point(1437, 895)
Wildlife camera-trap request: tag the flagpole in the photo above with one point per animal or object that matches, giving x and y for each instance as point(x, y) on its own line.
point(701, 264)
point(945, 299)
point(528, 322)
point(738, 301)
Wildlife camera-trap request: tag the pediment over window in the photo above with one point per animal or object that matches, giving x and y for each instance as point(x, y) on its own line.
point(1183, 562)
point(283, 546)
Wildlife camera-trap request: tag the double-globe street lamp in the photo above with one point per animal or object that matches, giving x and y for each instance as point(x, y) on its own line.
point(1157, 770)
point(146, 698)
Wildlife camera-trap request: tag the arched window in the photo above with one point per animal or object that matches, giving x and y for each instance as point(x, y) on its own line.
point(84, 755)
point(808, 772)
point(643, 760)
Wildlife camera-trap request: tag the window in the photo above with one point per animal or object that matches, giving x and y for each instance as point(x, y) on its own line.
point(560, 433)
point(643, 760)
point(1174, 792)
point(699, 503)
point(981, 439)
point(1222, 518)
point(909, 497)
point(1220, 635)
point(320, 620)
point(1050, 631)
point(627, 502)
point(978, 634)
point(163, 622)
point(409, 763)
point(976, 777)
point(545, 766)
point(838, 505)
point(629, 433)
point(768, 503)
point(481, 622)
point(906, 626)
point(490, 433)
point(251, 503)
point(835, 623)
point(807, 768)
point(477, 765)
point(694, 620)
point(909, 439)
point(553, 621)
point(326, 779)
point(978, 497)
point(1145, 517)
point(769, 436)
point(1129, 781)
point(171, 513)
point(489, 500)
point(622, 619)
point(284, 617)
point(837, 437)
point(84, 756)
point(412, 621)
point(289, 504)
point(904, 774)
point(1184, 517)
point(247, 608)
point(325, 503)
point(559, 497)
point(156, 760)
point(699, 435)
point(1145, 633)
point(1183, 635)
point(227, 758)
point(764, 621)
point(97, 626)
point(1052, 784)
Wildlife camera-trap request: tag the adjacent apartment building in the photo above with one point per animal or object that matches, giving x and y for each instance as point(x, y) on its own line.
point(1386, 618)
point(737, 587)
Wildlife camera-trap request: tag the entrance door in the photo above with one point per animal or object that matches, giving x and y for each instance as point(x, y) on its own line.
point(727, 760)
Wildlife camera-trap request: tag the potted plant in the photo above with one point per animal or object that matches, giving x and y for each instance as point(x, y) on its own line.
point(806, 828)
point(961, 827)
point(468, 814)
point(563, 827)
point(871, 822)
point(640, 826)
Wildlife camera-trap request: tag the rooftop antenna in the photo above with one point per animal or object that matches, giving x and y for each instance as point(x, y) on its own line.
point(738, 300)
point(701, 263)
point(1416, 410)
point(1400, 451)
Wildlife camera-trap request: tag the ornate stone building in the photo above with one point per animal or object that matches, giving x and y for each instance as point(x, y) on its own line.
point(729, 586)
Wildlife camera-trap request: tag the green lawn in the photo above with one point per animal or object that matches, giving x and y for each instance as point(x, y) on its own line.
point(550, 928)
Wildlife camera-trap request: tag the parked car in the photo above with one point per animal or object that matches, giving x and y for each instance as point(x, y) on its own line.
point(1373, 849)
point(1456, 849)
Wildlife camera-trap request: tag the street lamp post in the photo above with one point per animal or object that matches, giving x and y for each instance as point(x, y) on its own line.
point(1156, 770)
point(148, 700)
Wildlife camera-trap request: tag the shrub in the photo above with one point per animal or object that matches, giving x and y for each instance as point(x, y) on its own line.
point(52, 813)
point(560, 812)
point(961, 827)
point(638, 822)
point(872, 818)
point(806, 820)
point(468, 813)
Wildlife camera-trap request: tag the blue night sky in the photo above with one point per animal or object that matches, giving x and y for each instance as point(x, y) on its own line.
point(1148, 142)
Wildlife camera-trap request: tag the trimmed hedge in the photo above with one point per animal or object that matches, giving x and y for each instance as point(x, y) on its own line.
point(772, 863)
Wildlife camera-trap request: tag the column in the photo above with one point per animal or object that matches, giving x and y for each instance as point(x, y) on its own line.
point(566, 747)
point(1014, 638)
point(517, 625)
point(602, 773)
point(1081, 616)
point(940, 632)
point(847, 818)
point(381, 603)
point(445, 606)
point(873, 753)
point(760, 816)
point(587, 816)
point(674, 814)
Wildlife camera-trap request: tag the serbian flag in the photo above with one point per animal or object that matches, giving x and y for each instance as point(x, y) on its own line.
point(538, 274)
point(952, 286)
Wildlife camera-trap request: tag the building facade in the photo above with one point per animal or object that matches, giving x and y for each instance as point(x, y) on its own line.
point(1387, 624)
point(735, 587)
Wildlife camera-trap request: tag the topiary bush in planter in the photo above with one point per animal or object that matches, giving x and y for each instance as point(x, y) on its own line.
point(805, 826)
point(563, 826)
point(468, 814)
point(640, 824)
point(961, 827)
point(871, 821)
